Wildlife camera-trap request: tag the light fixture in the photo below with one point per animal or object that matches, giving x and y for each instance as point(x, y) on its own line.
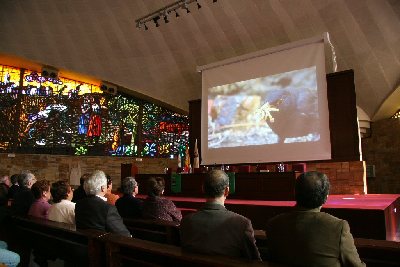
point(165, 17)
point(185, 6)
point(165, 11)
point(155, 20)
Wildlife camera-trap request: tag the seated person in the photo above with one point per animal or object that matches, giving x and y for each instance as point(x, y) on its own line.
point(63, 210)
point(24, 198)
point(4, 211)
point(80, 193)
point(111, 198)
point(128, 206)
point(157, 207)
point(93, 211)
point(7, 257)
point(5, 180)
point(41, 192)
point(14, 186)
point(308, 237)
point(215, 230)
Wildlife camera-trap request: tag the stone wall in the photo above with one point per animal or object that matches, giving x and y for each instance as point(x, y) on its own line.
point(382, 149)
point(55, 167)
point(345, 177)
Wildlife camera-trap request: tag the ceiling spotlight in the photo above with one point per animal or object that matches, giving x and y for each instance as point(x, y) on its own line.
point(166, 18)
point(155, 19)
point(186, 7)
point(163, 13)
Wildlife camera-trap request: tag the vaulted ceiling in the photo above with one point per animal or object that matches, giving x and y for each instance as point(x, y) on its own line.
point(99, 38)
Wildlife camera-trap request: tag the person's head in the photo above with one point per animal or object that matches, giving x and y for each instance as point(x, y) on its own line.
point(61, 190)
point(14, 178)
point(83, 178)
point(155, 186)
point(41, 189)
point(109, 183)
point(5, 180)
point(216, 184)
point(312, 189)
point(96, 184)
point(26, 178)
point(129, 186)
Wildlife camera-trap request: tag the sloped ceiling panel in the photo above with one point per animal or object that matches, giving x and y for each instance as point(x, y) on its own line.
point(99, 38)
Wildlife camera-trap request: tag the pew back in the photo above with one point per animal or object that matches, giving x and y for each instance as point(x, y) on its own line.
point(375, 253)
point(159, 231)
point(378, 253)
point(52, 240)
point(125, 251)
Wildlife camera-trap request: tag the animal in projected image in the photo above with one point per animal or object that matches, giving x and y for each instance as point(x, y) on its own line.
point(291, 112)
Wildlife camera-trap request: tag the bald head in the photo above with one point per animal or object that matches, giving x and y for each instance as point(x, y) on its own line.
point(312, 189)
point(215, 183)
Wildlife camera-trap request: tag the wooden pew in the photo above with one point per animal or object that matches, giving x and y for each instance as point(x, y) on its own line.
point(125, 251)
point(375, 253)
point(159, 231)
point(378, 253)
point(51, 240)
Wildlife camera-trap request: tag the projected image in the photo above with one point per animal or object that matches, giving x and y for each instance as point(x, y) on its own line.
point(281, 108)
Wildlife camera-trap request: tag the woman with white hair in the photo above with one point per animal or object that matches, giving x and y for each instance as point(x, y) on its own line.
point(93, 212)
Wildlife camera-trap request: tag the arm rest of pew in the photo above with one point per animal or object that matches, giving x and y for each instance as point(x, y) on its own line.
point(125, 251)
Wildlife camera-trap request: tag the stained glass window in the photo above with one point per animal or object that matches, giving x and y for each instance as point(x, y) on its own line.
point(9, 85)
point(64, 116)
point(165, 133)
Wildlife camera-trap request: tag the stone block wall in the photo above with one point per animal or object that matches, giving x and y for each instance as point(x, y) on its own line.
point(56, 167)
point(382, 149)
point(345, 177)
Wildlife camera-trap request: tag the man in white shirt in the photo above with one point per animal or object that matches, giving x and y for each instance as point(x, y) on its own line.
point(63, 210)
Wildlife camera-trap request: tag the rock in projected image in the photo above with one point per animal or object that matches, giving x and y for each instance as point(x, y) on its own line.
point(281, 108)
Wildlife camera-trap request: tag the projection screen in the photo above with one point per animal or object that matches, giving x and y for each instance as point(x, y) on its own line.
point(267, 108)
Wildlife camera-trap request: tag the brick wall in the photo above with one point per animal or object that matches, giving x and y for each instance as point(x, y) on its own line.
point(382, 149)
